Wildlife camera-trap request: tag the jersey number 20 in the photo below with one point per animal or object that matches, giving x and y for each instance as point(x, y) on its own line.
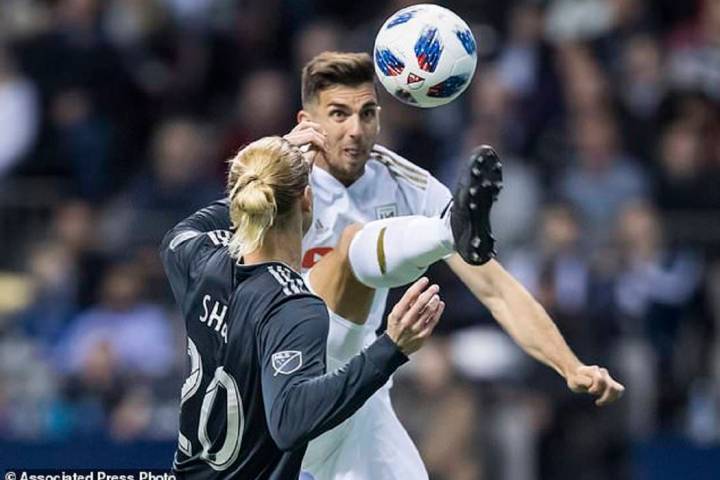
point(228, 453)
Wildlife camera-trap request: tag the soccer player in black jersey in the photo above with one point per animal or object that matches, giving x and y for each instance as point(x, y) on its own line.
point(258, 389)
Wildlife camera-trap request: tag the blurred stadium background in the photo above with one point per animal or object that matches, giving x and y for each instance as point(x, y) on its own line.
point(116, 117)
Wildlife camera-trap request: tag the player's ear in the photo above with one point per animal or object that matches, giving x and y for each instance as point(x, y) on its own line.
point(307, 200)
point(302, 115)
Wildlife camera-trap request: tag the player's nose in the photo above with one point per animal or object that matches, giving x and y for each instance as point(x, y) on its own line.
point(354, 126)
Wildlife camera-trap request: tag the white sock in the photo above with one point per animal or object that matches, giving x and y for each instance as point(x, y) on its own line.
point(396, 251)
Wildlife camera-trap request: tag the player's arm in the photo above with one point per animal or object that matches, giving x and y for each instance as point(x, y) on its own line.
point(181, 245)
point(301, 400)
point(527, 322)
point(215, 216)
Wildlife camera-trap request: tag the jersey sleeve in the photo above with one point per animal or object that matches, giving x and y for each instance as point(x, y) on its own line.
point(182, 245)
point(436, 198)
point(301, 400)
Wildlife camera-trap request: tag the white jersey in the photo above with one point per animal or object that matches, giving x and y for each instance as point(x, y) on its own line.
point(390, 186)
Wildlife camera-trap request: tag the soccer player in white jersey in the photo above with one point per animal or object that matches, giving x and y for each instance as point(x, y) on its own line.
point(380, 221)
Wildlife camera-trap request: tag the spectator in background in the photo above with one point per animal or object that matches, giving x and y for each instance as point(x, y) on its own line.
point(655, 282)
point(694, 61)
point(123, 327)
point(685, 183)
point(131, 24)
point(641, 91)
point(52, 274)
point(586, 86)
point(107, 353)
point(63, 271)
point(592, 20)
point(314, 38)
point(654, 288)
point(526, 71)
point(496, 122)
point(555, 268)
point(602, 177)
point(179, 182)
point(82, 143)
point(262, 107)
point(19, 113)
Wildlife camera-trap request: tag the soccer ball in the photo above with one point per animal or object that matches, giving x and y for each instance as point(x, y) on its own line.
point(425, 55)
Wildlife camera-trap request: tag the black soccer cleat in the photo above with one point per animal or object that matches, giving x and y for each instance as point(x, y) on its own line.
point(473, 198)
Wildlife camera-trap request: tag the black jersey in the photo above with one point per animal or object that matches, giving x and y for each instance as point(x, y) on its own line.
point(258, 390)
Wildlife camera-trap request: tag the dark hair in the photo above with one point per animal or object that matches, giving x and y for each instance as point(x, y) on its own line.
point(335, 68)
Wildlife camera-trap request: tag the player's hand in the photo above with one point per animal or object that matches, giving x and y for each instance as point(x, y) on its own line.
point(595, 381)
point(310, 137)
point(414, 317)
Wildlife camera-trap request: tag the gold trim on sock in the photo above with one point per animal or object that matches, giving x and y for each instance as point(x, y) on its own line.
point(381, 251)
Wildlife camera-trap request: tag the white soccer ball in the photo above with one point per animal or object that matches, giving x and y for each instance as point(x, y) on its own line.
point(425, 55)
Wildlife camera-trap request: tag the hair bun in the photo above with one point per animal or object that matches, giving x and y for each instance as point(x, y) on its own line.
point(249, 178)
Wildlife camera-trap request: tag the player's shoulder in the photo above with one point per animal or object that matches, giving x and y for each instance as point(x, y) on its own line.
point(276, 289)
point(400, 169)
point(275, 282)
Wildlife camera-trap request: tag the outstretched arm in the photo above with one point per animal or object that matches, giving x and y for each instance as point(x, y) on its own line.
point(527, 322)
point(301, 399)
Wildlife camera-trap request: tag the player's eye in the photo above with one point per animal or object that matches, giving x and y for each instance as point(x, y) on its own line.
point(338, 114)
point(368, 114)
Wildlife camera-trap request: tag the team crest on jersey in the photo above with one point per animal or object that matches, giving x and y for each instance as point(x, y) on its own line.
point(386, 211)
point(286, 362)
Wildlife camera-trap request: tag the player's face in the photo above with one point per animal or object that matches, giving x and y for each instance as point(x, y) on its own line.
point(350, 118)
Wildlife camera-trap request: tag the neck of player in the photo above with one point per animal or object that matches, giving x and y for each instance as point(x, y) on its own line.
point(280, 245)
point(341, 176)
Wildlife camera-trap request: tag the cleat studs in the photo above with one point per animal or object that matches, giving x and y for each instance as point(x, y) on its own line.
point(473, 191)
point(476, 242)
point(475, 257)
point(486, 183)
point(476, 171)
point(473, 205)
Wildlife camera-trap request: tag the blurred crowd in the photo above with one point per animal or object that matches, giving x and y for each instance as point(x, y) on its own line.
point(117, 117)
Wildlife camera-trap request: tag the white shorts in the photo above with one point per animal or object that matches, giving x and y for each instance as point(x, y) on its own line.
point(374, 447)
point(370, 445)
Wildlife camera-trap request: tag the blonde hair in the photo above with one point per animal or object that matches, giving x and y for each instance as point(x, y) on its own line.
point(264, 180)
point(335, 68)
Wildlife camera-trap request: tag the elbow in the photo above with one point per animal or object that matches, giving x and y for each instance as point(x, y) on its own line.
point(285, 439)
point(285, 426)
point(165, 242)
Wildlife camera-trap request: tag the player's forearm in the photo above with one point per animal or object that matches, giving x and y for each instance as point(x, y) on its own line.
point(525, 320)
point(312, 406)
point(532, 328)
point(215, 216)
